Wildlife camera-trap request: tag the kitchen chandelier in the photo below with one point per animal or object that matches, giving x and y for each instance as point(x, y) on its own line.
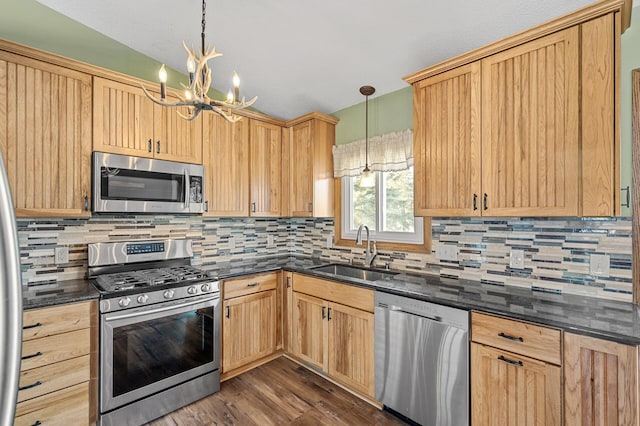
point(367, 178)
point(195, 95)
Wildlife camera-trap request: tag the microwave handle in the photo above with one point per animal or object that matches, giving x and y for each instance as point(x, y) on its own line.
point(187, 188)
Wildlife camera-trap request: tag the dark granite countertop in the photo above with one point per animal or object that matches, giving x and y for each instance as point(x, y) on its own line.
point(40, 296)
point(601, 318)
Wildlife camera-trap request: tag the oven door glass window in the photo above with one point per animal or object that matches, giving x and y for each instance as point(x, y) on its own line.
point(152, 350)
point(140, 185)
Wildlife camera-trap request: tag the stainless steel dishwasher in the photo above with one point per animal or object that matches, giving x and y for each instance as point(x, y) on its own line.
point(422, 360)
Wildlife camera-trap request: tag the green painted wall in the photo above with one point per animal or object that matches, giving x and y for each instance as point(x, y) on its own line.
point(630, 60)
point(387, 113)
point(33, 24)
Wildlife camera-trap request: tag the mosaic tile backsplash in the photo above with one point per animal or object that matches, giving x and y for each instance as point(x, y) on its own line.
point(556, 251)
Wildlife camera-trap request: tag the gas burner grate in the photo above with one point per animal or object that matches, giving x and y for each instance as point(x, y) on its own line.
point(148, 277)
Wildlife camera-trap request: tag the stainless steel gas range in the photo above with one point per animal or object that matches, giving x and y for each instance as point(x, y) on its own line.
point(159, 329)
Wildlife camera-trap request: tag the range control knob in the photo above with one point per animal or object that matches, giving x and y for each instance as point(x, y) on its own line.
point(192, 290)
point(205, 287)
point(143, 298)
point(124, 302)
point(168, 294)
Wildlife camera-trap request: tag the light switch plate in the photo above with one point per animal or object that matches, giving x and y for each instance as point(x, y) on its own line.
point(447, 252)
point(599, 264)
point(516, 259)
point(232, 242)
point(61, 255)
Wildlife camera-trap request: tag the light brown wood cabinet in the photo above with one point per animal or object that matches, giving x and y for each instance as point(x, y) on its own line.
point(308, 166)
point(249, 321)
point(508, 385)
point(265, 169)
point(58, 378)
point(523, 127)
point(332, 331)
point(45, 136)
point(126, 122)
point(600, 382)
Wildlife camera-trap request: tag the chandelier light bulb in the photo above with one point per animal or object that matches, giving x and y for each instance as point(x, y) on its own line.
point(162, 74)
point(191, 65)
point(230, 96)
point(236, 80)
point(187, 94)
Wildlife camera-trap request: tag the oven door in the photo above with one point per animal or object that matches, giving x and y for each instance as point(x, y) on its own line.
point(146, 350)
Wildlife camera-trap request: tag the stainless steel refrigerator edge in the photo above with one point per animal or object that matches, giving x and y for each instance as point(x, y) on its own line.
point(10, 304)
point(422, 360)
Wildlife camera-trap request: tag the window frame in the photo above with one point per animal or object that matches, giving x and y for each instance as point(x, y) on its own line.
point(345, 241)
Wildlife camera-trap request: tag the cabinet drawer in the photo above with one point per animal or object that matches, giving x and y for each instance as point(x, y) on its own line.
point(519, 337)
point(54, 377)
point(348, 295)
point(45, 322)
point(65, 407)
point(248, 285)
point(47, 350)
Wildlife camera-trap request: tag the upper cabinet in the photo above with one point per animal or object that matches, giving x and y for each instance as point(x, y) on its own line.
point(45, 136)
point(308, 166)
point(265, 169)
point(126, 122)
point(527, 126)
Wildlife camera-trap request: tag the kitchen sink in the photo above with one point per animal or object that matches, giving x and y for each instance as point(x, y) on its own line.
point(354, 272)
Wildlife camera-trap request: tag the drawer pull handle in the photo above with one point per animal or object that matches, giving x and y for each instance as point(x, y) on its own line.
point(506, 336)
point(32, 355)
point(26, 327)
point(33, 385)
point(510, 361)
point(37, 423)
point(253, 285)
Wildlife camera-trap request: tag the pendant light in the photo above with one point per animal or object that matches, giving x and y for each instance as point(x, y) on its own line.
point(367, 178)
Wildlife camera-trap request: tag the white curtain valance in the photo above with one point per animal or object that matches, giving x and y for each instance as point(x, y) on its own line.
point(390, 152)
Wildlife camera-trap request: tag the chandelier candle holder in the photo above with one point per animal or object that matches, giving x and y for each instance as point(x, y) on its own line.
point(196, 97)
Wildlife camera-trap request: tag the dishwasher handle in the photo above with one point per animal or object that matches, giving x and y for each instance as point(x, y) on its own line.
point(396, 308)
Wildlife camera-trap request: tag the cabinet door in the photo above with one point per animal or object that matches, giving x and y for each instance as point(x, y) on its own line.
point(45, 136)
point(176, 139)
point(226, 161)
point(508, 389)
point(351, 347)
point(600, 383)
point(530, 128)
point(265, 168)
point(301, 170)
point(447, 143)
point(248, 329)
point(310, 330)
point(123, 121)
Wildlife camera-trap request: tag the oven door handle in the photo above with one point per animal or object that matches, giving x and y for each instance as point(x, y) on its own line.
point(157, 310)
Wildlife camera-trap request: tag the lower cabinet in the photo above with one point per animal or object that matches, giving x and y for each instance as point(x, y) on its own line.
point(249, 321)
point(600, 382)
point(508, 385)
point(332, 330)
point(58, 377)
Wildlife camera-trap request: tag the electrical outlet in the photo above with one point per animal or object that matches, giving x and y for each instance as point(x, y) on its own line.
point(232, 242)
point(330, 241)
point(599, 265)
point(269, 240)
point(447, 252)
point(516, 259)
point(61, 255)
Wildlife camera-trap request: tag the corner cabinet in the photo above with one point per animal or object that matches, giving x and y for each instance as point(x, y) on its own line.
point(600, 382)
point(45, 136)
point(308, 166)
point(332, 331)
point(126, 122)
point(524, 127)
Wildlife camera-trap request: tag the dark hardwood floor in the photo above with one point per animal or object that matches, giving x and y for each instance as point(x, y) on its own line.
point(279, 393)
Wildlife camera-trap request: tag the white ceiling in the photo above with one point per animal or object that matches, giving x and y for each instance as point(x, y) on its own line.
point(299, 56)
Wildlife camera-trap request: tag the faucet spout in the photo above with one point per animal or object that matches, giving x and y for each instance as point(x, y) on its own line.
point(369, 255)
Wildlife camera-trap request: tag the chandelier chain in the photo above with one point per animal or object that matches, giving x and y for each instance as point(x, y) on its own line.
point(204, 21)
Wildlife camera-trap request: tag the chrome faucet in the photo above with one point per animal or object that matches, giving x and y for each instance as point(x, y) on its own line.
point(369, 255)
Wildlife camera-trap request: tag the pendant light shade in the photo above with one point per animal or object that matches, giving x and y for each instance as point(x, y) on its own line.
point(367, 178)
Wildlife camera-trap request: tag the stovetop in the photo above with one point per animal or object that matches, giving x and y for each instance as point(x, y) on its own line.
point(142, 279)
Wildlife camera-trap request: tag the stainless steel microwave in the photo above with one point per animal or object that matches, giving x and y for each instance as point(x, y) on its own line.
point(126, 184)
